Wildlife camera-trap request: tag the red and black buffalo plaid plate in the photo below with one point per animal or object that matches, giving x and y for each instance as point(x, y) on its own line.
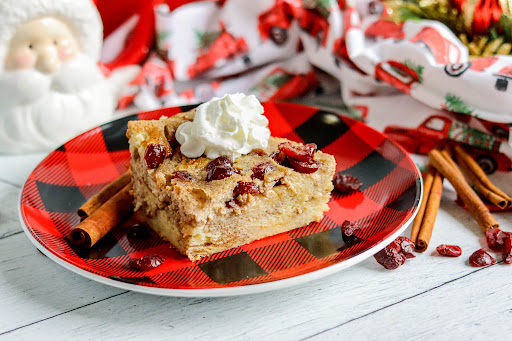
point(384, 206)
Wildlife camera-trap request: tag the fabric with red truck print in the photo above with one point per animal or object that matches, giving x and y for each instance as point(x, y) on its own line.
point(421, 58)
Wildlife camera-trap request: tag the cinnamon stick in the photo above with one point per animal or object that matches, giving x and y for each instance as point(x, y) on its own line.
point(423, 225)
point(472, 201)
point(103, 195)
point(427, 225)
point(427, 186)
point(448, 157)
point(479, 173)
point(104, 219)
point(494, 198)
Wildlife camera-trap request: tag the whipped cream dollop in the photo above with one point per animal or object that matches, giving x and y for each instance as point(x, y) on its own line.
point(232, 125)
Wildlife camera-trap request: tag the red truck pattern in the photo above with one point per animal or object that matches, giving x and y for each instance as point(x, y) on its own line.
point(385, 29)
point(397, 74)
point(443, 50)
point(438, 129)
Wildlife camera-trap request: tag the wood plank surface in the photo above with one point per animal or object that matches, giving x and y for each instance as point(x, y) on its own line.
point(475, 307)
point(429, 297)
point(9, 221)
point(289, 314)
point(33, 287)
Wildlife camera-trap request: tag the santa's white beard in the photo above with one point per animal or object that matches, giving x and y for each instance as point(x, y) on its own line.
point(39, 112)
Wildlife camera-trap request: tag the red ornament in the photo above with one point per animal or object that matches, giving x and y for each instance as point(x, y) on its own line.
point(486, 13)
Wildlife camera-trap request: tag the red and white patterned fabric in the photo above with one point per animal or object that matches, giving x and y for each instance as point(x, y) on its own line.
point(280, 49)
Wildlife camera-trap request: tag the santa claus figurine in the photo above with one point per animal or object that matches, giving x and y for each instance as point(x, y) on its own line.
point(51, 87)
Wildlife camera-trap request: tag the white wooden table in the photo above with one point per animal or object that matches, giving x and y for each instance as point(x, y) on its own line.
point(428, 298)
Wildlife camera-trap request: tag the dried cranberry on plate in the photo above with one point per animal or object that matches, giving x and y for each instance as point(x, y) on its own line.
point(243, 187)
point(221, 161)
point(139, 231)
point(182, 175)
point(146, 263)
point(300, 152)
point(219, 173)
point(279, 157)
point(220, 168)
point(348, 232)
point(299, 158)
point(154, 155)
point(259, 171)
point(345, 183)
point(449, 250)
point(306, 167)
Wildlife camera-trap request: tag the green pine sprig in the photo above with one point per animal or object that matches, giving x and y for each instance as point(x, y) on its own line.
point(456, 104)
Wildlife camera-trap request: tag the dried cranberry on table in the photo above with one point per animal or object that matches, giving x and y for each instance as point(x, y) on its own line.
point(146, 263)
point(507, 258)
point(348, 232)
point(507, 254)
point(306, 167)
point(299, 153)
point(243, 187)
point(500, 241)
point(406, 246)
point(481, 258)
point(395, 254)
point(154, 155)
point(496, 239)
point(389, 258)
point(259, 171)
point(182, 175)
point(449, 250)
point(346, 184)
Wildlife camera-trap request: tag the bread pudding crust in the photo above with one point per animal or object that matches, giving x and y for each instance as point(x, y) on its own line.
point(200, 218)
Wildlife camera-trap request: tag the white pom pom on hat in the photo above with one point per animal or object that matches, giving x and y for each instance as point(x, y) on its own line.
point(81, 15)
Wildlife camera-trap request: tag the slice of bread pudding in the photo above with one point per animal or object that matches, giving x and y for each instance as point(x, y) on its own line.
point(203, 206)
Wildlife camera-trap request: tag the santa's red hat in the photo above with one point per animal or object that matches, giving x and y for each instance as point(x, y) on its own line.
point(81, 15)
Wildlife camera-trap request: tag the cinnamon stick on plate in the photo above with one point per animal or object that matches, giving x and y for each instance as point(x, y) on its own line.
point(104, 219)
point(103, 195)
point(472, 201)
